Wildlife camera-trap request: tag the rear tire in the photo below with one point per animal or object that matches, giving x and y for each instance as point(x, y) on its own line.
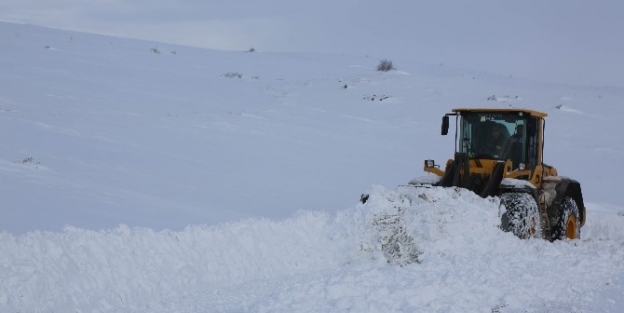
point(521, 216)
point(569, 226)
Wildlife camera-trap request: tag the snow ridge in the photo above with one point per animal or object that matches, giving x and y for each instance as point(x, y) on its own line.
point(314, 261)
point(128, 268)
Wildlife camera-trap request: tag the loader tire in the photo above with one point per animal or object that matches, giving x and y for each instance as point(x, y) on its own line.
point(569, 226)
point(521, 215)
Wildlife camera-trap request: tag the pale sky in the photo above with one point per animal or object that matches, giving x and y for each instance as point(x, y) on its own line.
point(569, 41)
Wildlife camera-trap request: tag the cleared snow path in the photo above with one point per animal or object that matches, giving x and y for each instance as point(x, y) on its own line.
point(316, 262)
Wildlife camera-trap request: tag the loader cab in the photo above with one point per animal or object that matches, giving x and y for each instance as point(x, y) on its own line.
point(499, 135)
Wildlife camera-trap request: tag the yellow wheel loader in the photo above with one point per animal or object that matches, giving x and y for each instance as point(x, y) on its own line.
point(499, 152)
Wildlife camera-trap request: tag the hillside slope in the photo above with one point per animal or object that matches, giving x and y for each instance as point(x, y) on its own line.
point(102, 131)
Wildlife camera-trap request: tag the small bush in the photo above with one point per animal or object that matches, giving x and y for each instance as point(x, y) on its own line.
point(385, 65)
point(376, 97)
point(28, 160)
point(155, 50)
point(233, 75)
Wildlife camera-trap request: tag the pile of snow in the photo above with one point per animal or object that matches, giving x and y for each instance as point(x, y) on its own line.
point(460, 262)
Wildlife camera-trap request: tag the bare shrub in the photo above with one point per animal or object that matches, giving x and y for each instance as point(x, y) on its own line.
point(233, 75)
point(385, 65)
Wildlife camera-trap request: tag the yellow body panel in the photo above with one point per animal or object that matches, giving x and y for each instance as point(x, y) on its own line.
point(487, 167)
point(530, 112)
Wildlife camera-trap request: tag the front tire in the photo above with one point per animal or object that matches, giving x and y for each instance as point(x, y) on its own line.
point(569, 226)
point(521, 216)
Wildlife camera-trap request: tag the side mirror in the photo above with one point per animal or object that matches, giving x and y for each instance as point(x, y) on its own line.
point(445, 125)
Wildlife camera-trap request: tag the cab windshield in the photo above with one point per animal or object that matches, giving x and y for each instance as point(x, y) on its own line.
point(493, 135)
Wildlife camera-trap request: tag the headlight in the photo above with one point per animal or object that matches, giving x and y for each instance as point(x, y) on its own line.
point(429, 163)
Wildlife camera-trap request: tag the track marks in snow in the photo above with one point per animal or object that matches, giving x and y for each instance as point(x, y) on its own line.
point(565, 108)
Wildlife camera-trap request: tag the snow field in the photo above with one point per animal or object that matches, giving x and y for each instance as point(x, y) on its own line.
point(101, 131)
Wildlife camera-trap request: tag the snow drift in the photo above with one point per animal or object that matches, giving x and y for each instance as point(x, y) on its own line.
point(459, 262)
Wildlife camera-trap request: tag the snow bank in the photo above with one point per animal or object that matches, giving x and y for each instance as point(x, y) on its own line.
point(460, 262)
point(82, 269)
point(467, 265)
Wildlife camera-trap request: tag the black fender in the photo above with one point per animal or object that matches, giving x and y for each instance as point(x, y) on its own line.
point(567, 188)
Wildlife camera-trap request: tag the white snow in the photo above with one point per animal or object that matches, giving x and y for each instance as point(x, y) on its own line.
point(425, 180)
point(516, 183)
point(136, 181)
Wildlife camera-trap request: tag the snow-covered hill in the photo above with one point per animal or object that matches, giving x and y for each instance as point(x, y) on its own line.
point(146, 177)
